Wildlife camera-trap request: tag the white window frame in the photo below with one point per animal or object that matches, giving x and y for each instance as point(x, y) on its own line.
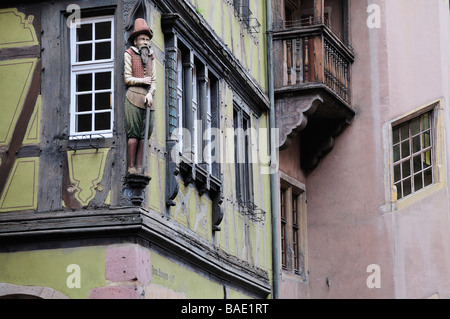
point(91, 67)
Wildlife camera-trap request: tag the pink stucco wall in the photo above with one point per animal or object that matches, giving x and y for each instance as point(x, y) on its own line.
point(398, 68)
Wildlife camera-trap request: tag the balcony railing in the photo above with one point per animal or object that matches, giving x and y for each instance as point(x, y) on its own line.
point(310, 54)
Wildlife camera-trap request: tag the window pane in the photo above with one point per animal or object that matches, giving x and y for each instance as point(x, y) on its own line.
point(404, 132)
point(84, 123)
point(396, 135)
point(399, 190)
point(418, 182)
point(417, 163)
point(428, 177)
point(415, 127)
point(103, 30)
point(295, 248)
point(426, 122)
point(84, 52)
point(426, 139)
point(397, 175)
point(407, 190)
point(426, 159)
point(103, 50)
point(294, 209)
point(84, 103)
point(102, 101)
point(102, 121)
point(103, 81)
point(396, 153)
point(84, 32)
point(406, 169)
point(283, 207)
point(84, 82)
point(405, 149)
point(416, 144)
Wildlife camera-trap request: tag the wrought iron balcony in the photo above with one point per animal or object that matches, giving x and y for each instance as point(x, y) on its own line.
point(312, 78)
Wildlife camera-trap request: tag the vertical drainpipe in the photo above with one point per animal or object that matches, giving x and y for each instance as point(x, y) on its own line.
point(273, 152)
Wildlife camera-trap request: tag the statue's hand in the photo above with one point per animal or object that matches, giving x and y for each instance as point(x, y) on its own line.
point(149, 99)
point(148, 81)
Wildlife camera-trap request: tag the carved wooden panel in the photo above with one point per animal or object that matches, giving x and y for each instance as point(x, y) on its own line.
point(292, 116)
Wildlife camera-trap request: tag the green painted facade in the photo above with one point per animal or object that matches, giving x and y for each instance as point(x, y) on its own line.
point(90, 179)
point(51, 268)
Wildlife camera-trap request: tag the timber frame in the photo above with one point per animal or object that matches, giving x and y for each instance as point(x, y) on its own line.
point(60, 221)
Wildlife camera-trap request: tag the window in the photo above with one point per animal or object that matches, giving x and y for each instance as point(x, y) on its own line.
point(243, 163)
point(92, 78)
point(295, 232)
point(292, 217)
point(195, 132)
point(283, 228)
point(413, 154)
point(242, 9)
point(180, 79)
point(197, 101)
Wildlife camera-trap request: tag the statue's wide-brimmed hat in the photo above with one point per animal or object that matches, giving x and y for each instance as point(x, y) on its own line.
point(140, 27)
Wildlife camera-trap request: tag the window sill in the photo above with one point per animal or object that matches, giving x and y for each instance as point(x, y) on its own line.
point(414, 198)
point(86, 137)
point(84, 142)
point(293, 275)
point(195, 173)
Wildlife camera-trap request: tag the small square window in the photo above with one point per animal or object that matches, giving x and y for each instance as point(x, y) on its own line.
point(413, 155)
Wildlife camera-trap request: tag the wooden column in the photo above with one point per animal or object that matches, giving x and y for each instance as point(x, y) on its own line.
point(319, 11)
point(319, 75)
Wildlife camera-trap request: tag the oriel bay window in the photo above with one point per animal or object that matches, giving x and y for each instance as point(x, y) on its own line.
point(197, 109)
point(92, 78)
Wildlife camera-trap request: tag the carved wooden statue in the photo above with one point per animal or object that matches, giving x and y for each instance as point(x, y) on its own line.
point(140, 78)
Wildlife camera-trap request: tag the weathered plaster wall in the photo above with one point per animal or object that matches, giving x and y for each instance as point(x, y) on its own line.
point(398, 68)
point(124, 271)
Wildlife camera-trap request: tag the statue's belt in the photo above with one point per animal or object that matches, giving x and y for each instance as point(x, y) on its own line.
point(136, 95)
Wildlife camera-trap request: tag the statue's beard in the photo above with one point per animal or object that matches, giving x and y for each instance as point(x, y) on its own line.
point(145, 51)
